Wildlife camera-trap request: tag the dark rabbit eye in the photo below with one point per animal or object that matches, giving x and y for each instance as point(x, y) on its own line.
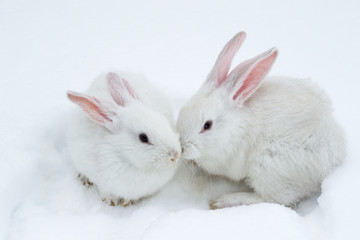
point(207, 125)
point(143, 138)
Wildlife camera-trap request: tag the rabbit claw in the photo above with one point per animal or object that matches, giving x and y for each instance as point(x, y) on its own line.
point(85, 181)
point(116, 201)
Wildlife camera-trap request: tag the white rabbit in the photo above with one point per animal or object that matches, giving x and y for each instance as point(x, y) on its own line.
point(124, 141)
point(279, 135)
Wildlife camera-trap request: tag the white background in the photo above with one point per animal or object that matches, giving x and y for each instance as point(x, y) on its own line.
point(48, 47)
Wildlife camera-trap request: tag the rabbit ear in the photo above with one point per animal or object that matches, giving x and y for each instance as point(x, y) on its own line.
point(101, 112)
point(120, 89)
point(247, 77)
point(222, 65)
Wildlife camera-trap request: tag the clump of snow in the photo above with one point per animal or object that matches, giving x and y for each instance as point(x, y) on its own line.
point(49, 47)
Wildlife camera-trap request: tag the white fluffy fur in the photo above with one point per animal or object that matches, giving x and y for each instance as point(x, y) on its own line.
point(116, 161)
point(283, 140)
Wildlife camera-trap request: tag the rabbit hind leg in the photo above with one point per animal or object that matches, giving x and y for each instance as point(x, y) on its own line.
point(235, 199)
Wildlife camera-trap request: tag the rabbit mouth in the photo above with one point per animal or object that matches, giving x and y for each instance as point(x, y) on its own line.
point(189, 151)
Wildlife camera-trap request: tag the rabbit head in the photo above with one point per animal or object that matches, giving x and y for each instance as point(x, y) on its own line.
point(135, 134)
point(212, 123)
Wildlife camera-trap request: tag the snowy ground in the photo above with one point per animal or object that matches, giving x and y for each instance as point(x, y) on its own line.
point(48, 47)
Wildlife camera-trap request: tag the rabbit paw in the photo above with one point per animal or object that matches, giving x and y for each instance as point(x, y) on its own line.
point(115, 201)
point(85, 181)
point(192, 162)
point(235, 199)
point(217, 204)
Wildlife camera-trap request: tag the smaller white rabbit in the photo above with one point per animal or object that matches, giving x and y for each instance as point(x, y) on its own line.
point(279, 135)
point(124, 141)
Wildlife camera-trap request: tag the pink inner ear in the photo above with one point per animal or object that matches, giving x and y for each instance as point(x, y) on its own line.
point(91, 106)
point(256, 75)
point(120, 89)
point(129, 88)
point(223, 62)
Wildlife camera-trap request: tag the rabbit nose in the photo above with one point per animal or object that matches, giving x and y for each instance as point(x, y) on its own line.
point(174, 155)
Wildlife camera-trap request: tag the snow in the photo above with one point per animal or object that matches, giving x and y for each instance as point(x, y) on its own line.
point(48, 47)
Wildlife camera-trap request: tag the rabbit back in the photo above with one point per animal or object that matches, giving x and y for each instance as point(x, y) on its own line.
point(300, 140)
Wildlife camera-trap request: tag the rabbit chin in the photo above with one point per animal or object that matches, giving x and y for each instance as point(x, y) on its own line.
point(190, 152)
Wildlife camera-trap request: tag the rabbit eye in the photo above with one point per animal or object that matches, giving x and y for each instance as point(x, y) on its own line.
point(143, 138)
point(207, 125)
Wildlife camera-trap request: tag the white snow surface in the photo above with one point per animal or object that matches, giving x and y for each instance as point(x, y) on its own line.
point(48, 47)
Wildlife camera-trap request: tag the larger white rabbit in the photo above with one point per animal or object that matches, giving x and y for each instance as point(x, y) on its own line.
point(124, 140)
point(279, 134)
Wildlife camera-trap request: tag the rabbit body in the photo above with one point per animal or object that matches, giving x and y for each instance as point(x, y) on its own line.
point(115, 160)
point(298, 143)
point(280, 135)
point(288, 142)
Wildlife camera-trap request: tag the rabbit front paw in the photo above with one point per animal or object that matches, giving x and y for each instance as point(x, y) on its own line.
point(85, 181)
point(115, 201)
